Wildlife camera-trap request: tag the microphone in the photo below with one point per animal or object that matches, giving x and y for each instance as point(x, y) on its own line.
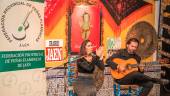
point(92, 54)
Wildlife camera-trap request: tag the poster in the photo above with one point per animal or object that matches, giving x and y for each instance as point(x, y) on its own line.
point(22, 35)
point(85, 24)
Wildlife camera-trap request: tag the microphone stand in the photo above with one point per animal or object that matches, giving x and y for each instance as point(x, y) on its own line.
point(65, 69)
point(65, 64)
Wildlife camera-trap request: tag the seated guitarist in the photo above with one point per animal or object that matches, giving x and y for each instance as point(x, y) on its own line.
point(133, 77)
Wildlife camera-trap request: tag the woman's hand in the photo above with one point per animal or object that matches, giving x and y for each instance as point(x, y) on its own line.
point(99, 52)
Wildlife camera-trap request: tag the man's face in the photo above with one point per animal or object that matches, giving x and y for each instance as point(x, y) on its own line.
point(132, 47)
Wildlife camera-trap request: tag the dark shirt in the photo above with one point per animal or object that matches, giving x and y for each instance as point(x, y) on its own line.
point(122, 54)
point(88, 67)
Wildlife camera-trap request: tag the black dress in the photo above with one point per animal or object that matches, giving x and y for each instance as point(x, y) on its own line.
point(85, 83)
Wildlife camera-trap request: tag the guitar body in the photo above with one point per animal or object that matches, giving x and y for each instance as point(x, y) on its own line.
point(121, 62)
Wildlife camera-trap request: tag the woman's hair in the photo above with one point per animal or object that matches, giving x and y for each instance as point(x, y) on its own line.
point(132, 40)
point(83, 47)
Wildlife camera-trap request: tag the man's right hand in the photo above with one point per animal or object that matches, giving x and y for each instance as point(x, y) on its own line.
point(121, 68)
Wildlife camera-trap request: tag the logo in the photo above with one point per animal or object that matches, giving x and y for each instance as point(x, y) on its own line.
point(22, 23)
point(21, 32)
point(54, 50)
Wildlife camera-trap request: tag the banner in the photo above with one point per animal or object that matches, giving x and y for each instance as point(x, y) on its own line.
point(21, 35)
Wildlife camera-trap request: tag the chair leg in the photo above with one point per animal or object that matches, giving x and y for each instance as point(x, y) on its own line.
point(119, 93)
point(129, 91)
point(116, 92)
point(138, 91)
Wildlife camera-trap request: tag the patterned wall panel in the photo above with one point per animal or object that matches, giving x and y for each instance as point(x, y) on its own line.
point(56, 84)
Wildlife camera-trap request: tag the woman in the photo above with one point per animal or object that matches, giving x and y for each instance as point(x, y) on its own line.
point(85, 84)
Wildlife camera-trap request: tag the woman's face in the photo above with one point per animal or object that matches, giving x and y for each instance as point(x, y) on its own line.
point(89, 48)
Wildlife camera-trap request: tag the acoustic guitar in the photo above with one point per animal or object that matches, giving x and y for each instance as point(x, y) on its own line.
point(132, 66)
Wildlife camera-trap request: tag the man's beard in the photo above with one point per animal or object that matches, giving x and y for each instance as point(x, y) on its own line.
point(131, 52)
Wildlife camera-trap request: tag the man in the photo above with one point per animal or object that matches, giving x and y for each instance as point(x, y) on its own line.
point(134, 77)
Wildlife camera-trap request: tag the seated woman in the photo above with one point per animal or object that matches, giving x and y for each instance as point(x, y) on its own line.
point(85, 83)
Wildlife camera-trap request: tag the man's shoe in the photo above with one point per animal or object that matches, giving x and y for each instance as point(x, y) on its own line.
point(164, 81)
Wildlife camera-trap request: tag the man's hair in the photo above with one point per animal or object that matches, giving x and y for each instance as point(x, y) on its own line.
point(132, 40)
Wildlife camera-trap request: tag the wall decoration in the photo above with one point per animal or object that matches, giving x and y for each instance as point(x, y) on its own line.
point(85, 24)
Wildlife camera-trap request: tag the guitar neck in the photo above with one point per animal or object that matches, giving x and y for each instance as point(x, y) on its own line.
point(150, 67)
point(133, 65)
point(144, 64)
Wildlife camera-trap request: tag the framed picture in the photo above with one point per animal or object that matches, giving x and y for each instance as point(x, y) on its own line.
point(84, 23)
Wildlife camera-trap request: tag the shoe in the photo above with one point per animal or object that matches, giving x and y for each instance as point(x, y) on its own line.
point(164, 81)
